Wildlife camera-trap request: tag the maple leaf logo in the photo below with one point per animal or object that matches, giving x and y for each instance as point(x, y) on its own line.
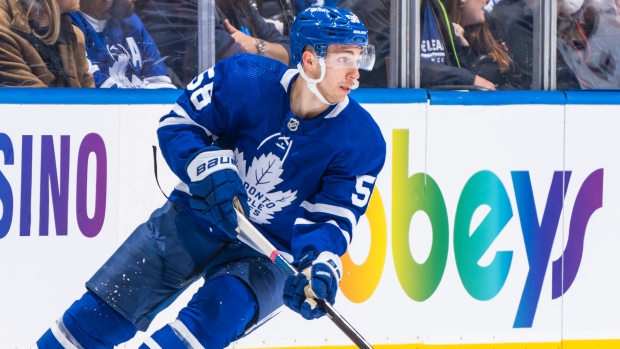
point(260, 180)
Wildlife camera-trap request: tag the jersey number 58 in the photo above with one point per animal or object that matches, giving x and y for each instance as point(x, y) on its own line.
point(201, 96)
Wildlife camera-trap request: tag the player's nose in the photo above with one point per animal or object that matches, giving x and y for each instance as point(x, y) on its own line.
point(354, 74)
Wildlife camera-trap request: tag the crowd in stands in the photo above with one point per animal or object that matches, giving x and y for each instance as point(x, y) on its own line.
point(239, 28)
point(471, 44)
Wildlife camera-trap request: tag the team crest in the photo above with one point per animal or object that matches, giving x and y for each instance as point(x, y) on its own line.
point(126, 64)
point(260, 181)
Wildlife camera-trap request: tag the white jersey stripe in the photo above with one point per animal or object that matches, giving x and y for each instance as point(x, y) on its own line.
point(61, 338)
point(181, 112)
point(340, 107)
point(149, 342)
point(331, 209)
point(186, 335)
point(303, 221)
point(183, 119)
point(286, 78)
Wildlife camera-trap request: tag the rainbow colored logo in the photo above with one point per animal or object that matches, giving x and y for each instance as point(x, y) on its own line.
point(420, 192)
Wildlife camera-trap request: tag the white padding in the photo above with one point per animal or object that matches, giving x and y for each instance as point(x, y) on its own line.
point(209, 162)
point(325, 258)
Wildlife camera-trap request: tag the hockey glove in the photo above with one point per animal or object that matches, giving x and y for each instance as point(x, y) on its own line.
point(215, 183)
point(319, 277)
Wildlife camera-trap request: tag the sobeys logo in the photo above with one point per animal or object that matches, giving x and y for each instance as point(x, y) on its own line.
point(420, 192)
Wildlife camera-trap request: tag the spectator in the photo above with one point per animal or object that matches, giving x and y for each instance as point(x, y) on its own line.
point(173, 25)
point(278, 12)
point(121, 52)
point(484, 54)
point(248, 28)
point(513, 23)
point(440, 65)
point(443, 60)
point(39, 47)
point(588, 42)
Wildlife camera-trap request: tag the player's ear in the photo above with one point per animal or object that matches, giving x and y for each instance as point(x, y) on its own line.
point(307, 57)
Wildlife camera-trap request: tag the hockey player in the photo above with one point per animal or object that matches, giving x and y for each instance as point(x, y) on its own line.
point(299, 156)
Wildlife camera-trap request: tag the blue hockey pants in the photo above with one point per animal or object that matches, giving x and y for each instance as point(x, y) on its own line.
point(156, 263)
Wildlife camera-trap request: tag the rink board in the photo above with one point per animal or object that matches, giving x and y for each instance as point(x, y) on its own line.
point(469, 240)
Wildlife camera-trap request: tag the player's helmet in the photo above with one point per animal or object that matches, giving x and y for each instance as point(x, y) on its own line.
point(320, 26)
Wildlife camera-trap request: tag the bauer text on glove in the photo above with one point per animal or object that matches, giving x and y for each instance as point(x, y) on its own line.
point(215, 183)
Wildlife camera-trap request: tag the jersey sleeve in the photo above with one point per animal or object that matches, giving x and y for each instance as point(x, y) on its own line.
point(198, 118)
point(326, 219)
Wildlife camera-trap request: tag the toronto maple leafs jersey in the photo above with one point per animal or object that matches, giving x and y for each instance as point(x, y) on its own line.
point(308, 181)
point(122, 53)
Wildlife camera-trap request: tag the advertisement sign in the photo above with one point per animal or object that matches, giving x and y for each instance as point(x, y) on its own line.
point(490, 224)
point(59, 214)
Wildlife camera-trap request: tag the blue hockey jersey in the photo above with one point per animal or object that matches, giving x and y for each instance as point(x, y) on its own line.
point(308, 181)
point(122, 53)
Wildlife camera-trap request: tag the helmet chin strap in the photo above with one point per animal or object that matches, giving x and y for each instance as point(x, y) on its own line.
point(313, 82)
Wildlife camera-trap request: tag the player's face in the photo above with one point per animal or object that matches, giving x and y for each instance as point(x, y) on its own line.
point(341, 72)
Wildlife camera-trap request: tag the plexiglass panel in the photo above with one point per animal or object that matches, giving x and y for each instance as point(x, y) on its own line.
point(463, 44)
point(588, 41)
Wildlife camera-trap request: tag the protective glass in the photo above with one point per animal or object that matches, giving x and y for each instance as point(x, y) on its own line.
point(350, 56)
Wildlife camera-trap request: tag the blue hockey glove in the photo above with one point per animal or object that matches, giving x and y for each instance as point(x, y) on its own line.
point(215, 183)
point(319, 277)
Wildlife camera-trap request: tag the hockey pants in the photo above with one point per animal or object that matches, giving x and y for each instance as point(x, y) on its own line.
point(156, 263)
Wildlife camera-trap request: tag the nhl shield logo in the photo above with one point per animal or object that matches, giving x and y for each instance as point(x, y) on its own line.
point(293, 124)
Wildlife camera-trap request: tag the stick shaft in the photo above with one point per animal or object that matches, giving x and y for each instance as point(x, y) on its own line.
point(253, 238)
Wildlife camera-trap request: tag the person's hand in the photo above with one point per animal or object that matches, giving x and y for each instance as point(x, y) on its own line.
point(248, 42)
point(484, 83)
point(460, 33)
point(319, 277)
point(215, 183)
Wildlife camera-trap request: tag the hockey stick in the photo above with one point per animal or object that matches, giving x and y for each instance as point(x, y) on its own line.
point(253, 238)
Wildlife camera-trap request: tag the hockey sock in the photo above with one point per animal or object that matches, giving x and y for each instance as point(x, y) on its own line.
point(88, 323)
point(217, 315)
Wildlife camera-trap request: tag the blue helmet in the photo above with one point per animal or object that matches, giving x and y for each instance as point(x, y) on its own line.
point(319, 27)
